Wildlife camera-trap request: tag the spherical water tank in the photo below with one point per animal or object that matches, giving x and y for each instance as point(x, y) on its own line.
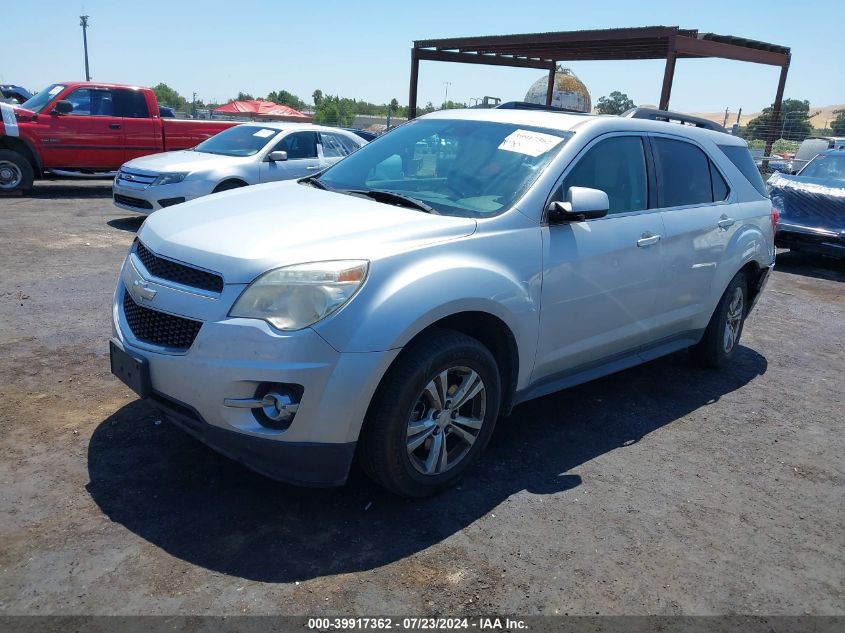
point(569, 92)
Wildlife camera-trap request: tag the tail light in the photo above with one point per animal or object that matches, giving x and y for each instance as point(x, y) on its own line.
point(775, 218)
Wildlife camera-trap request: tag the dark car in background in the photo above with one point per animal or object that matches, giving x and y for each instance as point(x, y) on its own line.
point(811, 205)
point(16, 94)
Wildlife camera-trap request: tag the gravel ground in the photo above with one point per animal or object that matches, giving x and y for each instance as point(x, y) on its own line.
point(665, 489)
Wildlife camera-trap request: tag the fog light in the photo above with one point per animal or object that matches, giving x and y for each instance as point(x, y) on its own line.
point(274, 405)
point(169, 202)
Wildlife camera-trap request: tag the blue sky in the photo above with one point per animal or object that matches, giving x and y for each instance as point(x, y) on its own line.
point(362, 49)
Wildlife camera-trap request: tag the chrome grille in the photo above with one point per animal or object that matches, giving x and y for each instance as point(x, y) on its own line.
point(159, 328)
point(180, 273)
point(135, 179)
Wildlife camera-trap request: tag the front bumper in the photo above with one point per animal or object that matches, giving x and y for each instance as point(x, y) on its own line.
point(147, 198)
point(232, 358)
point(811, 240)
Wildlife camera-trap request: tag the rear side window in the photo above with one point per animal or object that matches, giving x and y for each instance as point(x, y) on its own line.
point(332, 146)
point(617, 167)
point(741, 158)
point(130, 104)
point(683, 173)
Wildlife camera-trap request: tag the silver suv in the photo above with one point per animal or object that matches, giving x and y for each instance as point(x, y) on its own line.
point(394, 306)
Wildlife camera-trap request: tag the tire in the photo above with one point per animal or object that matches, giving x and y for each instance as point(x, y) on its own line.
point(406, 412)
point(15, 172)
point(718, 346)
point(227, 185)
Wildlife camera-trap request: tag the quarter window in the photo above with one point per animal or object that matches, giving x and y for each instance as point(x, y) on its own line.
point(720, 187)
point(616, 166)
point(131, 104)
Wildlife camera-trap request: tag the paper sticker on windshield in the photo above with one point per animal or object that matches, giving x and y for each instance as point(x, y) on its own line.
point(529, 143)
point(55, 90)
point(264, 133)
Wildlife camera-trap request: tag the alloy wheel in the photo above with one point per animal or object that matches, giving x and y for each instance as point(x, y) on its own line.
point(446, 420)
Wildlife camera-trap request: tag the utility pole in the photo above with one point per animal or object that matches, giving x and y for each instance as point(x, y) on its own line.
point(725, 122)
point(83, 22)
point(446, 96)
point(194, 105)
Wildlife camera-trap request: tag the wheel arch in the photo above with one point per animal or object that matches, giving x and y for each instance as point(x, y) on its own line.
point(25, 149)
point(236, 180)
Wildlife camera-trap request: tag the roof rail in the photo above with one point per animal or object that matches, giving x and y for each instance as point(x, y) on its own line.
point(653, 114)
point(525, 105)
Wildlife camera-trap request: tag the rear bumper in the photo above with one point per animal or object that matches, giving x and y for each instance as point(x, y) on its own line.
point(300, 463)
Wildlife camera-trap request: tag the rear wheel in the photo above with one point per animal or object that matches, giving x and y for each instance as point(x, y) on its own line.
point(721, 338)
point(15, 172)
point(432, 414)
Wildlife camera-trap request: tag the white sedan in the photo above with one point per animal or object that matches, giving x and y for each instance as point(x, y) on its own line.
point(243, 155)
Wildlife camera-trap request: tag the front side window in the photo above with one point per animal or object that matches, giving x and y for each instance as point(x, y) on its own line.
point(298, 145)
point(92, 102)
point(241, 140)
point(457, 167)
point(616, 166)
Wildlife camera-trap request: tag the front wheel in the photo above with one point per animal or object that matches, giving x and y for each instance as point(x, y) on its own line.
point(432, 414)
point(15, 172)
point(721, 338)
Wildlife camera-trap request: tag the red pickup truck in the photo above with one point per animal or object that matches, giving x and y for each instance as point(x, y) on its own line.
point(86, 127)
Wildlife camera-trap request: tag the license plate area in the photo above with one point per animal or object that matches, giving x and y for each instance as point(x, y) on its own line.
point(133, 371)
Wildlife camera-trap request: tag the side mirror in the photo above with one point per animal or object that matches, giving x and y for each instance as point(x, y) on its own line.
point(277, 156)
point(63, 107)
point(582, 203)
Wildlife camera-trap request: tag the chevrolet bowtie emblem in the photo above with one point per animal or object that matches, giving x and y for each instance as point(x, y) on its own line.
point(143, 291)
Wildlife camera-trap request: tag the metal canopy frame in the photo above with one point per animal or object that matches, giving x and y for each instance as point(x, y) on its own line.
point(544, 50)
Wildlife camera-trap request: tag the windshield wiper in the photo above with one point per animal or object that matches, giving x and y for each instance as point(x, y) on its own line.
point(385, 195)
point(315, 181)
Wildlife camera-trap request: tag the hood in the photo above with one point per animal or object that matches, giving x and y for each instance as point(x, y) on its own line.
point(184, 160)
point(10, 116)
point(245, 232)
point(810, 202)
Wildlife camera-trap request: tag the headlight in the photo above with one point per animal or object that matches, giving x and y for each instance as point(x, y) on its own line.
point(170, 179)
point(294, 297)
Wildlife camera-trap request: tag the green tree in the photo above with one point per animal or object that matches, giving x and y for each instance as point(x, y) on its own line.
point(838, 125)
point(334, 110)
point(166, 95)
point(616, 103)
point(283, 97)
point(393, 106)
point(244, 96)
point(317, 98)
point(793, 123)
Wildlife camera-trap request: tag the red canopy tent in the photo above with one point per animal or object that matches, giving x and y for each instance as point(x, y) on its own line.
point(260, 109)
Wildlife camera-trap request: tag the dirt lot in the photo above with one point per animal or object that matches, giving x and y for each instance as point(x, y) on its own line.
point(665, 489)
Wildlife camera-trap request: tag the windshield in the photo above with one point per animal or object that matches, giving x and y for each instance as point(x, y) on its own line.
point(456, 167)
point(241, 140)
point(37, 103)
point(826, 166)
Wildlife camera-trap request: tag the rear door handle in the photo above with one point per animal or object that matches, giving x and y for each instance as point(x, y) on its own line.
point(725, 222)
point(313, 167)
point(648, 240)
point(114, 126)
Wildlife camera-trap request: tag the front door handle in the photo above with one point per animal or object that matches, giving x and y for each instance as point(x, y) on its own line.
point(725, 222)
point(647, 240)
point(313, 168)
point(114, 126)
